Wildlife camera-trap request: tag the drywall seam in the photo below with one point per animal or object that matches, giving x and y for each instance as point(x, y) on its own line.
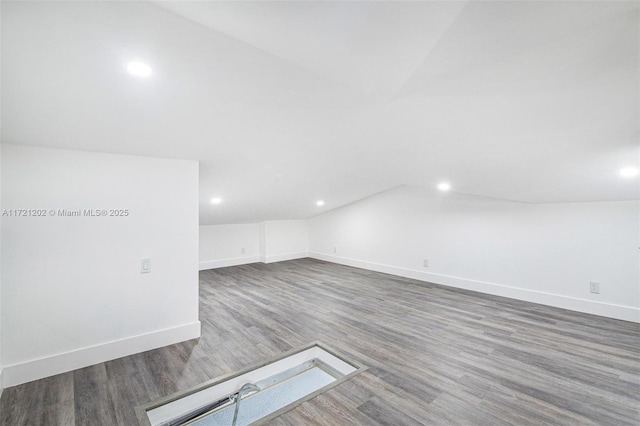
point(35, 369)
point(626, 313)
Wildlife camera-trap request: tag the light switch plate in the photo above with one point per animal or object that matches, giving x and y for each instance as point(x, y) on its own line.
point(145, 265)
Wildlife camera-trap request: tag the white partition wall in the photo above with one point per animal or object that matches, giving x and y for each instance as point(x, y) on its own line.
point(238, 244)
point(1, 321)
point(73, 289)
point(228, 245)
point(286, 240)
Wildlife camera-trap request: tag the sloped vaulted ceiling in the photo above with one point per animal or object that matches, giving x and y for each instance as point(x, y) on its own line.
point(285, 103)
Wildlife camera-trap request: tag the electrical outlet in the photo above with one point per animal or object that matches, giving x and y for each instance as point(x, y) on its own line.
point(145, 265)
point(594, 287)
point(425, 263)
point(335, 249)
point(242, 250)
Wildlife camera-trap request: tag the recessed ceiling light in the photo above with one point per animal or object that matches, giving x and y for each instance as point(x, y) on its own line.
point(139, 69)
point(216, 200)
point(444, 186)
point(629, 172)
point(319, 203)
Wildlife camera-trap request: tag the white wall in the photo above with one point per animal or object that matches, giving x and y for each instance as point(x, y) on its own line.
point(1, 320)
point(73, 294)
point(286, 239)
point(545, 253)
point(270, 241)
point(228, 245)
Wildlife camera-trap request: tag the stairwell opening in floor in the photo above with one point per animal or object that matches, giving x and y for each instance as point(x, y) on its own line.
point(258, 393)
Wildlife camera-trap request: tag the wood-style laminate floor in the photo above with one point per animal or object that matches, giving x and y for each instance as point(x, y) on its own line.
point(436, 355)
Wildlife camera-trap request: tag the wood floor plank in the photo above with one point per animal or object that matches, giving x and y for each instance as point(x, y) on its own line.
point(436, 355)
point(92, 399)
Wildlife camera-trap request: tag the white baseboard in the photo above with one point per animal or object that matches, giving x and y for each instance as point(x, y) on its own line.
point(27, 371)
point(285, 256)
point(233, 261)
point(626, 313)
